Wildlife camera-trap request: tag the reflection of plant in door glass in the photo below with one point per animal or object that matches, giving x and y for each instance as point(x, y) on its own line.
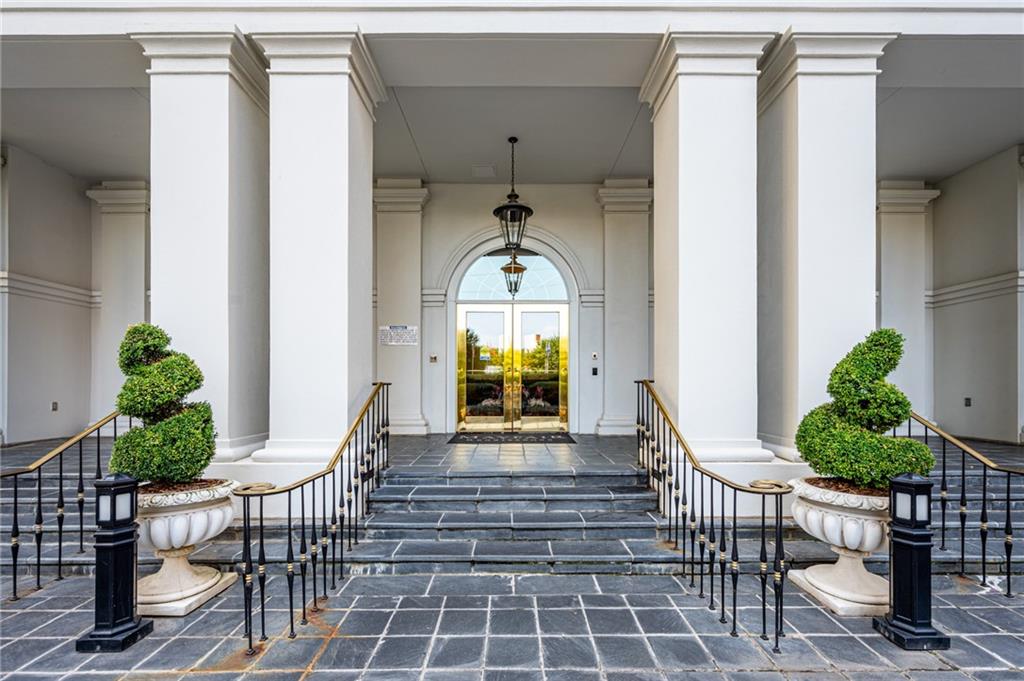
point(543, 356)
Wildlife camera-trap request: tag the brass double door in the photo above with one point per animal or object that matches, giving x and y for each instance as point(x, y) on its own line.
point(513, 366)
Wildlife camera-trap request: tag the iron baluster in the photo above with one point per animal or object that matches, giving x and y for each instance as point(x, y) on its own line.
point(683, 501)
point(777, 568)
point(334, 528)
point(712, 538)
point(943, 494)
point(313, 544)
point(638, 425)
point(99, 473)
point(247, 573)
point(323, 531)
point(60, 516)
point(357, 476)
point(80, 500)
point(721, 555)
point(348, 494)
point(1008, 534)
point(302, 549)
point(963, 507)
point(735, 563)
point(290, 574)
point(15, 546)
point(702, 539)
point(261, 572)
point(37, 528)
point(763, 574)
point(984, 523)
point(693, 527)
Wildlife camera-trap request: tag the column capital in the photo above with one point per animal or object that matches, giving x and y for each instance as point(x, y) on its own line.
point(821, 54)
point(904, 197)
point(400, 196)
point(700, 54)
point(626, 196)
point(120, 197)
point(328, 53)
point(225, 52)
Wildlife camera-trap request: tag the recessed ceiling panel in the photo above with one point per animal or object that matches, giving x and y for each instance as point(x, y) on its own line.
point(566, 134)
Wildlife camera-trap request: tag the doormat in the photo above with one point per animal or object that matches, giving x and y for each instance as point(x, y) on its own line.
point(516, 438)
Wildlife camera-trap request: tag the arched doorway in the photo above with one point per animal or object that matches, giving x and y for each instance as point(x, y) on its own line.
point(512, 356)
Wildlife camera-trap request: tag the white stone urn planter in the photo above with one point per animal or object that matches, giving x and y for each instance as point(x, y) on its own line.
point(855, 525)
point(172, 522)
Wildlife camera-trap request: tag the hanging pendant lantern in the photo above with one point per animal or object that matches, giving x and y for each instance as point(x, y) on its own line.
point(512, 215)
point(513, 275)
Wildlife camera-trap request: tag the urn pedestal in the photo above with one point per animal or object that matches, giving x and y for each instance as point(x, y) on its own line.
point(855, 525)
point(172, 523)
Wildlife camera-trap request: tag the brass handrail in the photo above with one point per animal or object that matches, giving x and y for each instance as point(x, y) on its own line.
point(64, 446)
point(770, 487)
point(257, 489)
point(952, 439)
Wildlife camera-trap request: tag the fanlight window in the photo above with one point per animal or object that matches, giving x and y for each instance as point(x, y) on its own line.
point(484, 280)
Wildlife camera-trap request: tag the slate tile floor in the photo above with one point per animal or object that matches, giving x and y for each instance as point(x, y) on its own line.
point(512, 628)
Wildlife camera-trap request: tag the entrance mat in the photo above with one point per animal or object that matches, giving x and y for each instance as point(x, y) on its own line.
point(517, 438)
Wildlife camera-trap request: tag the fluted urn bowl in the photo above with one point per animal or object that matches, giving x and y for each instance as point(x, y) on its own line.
point(854, 526)
point(172, 520)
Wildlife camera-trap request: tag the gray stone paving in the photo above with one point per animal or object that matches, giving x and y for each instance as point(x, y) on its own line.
point(514, 628)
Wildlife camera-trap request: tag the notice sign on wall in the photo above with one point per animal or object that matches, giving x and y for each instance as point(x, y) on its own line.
point(398, 334)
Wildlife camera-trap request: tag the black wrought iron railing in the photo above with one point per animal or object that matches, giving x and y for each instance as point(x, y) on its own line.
point(978, 504)
point(351, 474)
point(704, 504)
point(31, 490)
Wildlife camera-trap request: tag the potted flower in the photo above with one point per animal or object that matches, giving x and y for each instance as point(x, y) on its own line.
point(168, 454)
point(846, 502)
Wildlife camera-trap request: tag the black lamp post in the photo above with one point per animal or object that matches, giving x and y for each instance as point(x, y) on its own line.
point(117, 624)
point(512, 215)
point(908, 623)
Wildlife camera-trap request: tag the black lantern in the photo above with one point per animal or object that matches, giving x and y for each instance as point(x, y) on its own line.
point(512, 215)
point(908, 623)
point(513, 275)
point(117, 624)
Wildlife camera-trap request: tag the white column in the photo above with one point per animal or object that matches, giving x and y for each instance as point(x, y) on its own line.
point(209, 240)
point(702, 89)
point(903, 283)
point(816, 206)
point(627, 215)
point(120, 265)
point(399, 227)
point(323, 89)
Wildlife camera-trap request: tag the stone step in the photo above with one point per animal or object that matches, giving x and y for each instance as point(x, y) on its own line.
point(391, 498)
point(583, 476)
point(524, 525)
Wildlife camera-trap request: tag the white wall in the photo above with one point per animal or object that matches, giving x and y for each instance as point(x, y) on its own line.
point(457, 220)
point(46, 298)
point(977, 272)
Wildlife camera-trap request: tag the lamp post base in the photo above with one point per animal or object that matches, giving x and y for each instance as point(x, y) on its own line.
point(105, 642)
point(926, 638)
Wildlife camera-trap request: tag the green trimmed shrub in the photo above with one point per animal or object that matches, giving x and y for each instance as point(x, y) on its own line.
point(846, 438)
point(176, 441)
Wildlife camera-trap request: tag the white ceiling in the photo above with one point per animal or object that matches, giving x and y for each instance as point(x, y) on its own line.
point(944, 103)
point(581, 134)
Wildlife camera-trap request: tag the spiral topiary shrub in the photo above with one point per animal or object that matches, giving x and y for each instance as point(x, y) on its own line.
point(176, 441)
point(846, 438)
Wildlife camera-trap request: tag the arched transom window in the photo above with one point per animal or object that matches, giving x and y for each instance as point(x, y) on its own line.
point(484, 280)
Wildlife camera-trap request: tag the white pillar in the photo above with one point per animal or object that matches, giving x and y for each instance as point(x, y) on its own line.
point(208, 161)
point(121, 269)
point(903, 283)
point(399, 227)
point(627, 214)
point(816, 205)
point(702, 89)
point(323, 89)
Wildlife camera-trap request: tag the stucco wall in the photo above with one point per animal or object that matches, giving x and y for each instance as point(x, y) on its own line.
point(47, 326)
point(977, 226)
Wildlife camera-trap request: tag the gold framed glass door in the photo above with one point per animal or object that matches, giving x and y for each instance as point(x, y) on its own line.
point(513, 366)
